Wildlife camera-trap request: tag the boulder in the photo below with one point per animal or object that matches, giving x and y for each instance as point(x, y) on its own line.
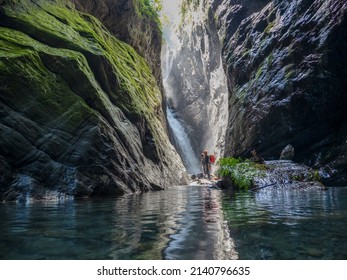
point(287, 153)
point(287, 175)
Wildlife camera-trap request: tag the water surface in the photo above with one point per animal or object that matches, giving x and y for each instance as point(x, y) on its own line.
point(293, 224)
point(180, 223)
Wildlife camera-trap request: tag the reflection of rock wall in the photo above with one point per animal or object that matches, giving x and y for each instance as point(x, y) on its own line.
point(80, 110)
point(286, 66)
point(197, 79)
point(200, 229)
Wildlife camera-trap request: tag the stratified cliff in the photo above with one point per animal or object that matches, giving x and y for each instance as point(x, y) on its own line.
point(197, 84)
point(80, 110)
point(286, 64)
point(133, 22)
point(286, 67)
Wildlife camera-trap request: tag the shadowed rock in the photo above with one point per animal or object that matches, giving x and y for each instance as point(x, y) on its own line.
point(286, 66)
point(287, 153)
point(80, 111)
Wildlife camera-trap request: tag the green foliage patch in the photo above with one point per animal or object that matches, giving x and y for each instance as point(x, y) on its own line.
point(67, 58)
point(241, 172)
point(150, 9)
point(53, 28)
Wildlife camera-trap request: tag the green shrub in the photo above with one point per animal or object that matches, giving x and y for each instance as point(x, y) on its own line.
point(241, 172)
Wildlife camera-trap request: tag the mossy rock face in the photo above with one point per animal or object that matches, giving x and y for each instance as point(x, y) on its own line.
point(279, 174)
point(80, 110)
point(132, 21)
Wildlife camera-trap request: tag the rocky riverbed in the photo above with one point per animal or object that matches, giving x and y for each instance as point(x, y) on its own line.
point(287, 174)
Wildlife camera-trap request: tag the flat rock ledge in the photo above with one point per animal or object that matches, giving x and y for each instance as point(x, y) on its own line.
point(213, 183)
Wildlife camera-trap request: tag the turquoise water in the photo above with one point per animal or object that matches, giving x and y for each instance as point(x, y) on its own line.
point(180, 223)
point(296, 224)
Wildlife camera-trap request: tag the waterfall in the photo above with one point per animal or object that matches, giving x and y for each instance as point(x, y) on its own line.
point(179, 134)
point(181, 140)
point(183, 144)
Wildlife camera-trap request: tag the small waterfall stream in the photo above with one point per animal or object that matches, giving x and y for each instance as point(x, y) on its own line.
point(183, 144)
point(179, 134)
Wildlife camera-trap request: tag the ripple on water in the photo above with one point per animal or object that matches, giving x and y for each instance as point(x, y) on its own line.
point(180, 223)
point(282, 224)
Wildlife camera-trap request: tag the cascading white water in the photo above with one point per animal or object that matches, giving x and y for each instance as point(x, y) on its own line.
point(183, 144)
point(182, 141)
point(194, 79)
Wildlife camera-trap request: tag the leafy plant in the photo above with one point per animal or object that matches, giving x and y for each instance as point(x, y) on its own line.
point(314, 176)
point(241, 172)
point(150, 9)
point(307, 176)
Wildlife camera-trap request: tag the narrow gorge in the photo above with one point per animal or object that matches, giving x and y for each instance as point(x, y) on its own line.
point(107, 105)
point(259, 75)
point(81, 110)
point(94, 103)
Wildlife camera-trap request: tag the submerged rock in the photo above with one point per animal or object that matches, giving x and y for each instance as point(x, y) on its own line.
point(80, 111)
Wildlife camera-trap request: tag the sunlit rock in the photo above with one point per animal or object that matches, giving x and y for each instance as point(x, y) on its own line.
point(197, 86)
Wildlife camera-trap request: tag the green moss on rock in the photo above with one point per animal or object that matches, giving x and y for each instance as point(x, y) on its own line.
point(62, 36)
point(66, 82)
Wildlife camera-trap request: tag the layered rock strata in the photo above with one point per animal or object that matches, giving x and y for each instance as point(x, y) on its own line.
point(286, 66)
point(133, 22)
point(80, 111)
point(198, 88)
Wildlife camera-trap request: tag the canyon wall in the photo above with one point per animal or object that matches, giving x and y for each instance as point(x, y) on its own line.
point(81, 111)
point(198, 86)
point(286, 66)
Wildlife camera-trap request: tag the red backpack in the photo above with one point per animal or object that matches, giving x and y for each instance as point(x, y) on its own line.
point(212, 158)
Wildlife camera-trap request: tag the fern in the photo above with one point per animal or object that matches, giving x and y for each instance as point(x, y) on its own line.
point(241, 172)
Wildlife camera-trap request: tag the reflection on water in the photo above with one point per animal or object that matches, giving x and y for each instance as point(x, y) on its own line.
point(201, 231)
point(295, 224)
point(181, 223)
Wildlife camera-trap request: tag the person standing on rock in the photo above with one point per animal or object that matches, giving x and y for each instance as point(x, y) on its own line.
point(255, 157)
point(207, 164)
point(202, 162)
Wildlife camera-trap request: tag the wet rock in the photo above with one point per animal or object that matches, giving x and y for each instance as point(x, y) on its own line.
point(287, 153)
point(315, 252)
point(286, 68)
point(197, 80)
point(80, 111)
point(287, 174)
